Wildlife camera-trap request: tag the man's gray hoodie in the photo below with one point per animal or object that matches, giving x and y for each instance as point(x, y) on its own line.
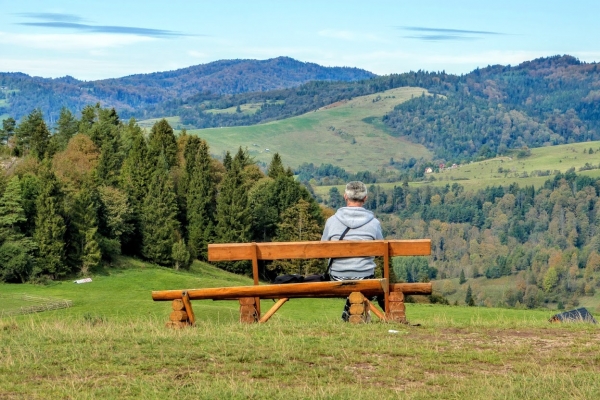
point(363, 226)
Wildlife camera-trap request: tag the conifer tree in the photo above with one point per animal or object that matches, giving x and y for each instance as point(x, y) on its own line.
point(159, 217)
point(233, 214)
point(297, 224)
point(8, 129)
point(86, 252)
point(180, 254)
point(12, 215)
point(66, 127)
point(162, 141)
point(263, 207)
point(49, 227)
point(276, 168)
point(134, 181)
point(200, 200)
point(469, 300)
point(227, 161)
point(33, 135)
point(462, 278)
point(16, 260)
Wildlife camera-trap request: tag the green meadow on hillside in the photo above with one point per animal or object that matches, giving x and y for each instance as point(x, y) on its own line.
point(346, 134)
point(503, 171)
point(175, 122)
point(113, 344)
point(249, 108)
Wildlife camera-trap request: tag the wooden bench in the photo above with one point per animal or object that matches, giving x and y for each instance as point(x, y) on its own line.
point(358, 291)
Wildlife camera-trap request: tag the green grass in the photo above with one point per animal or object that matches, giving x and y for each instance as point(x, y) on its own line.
point(348, 134)
point(478, 175)
point(113, 344)
point(248, 109)
point(175, 122)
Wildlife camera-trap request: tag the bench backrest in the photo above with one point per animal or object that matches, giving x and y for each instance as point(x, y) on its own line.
point(304, 250)
point(330, 249)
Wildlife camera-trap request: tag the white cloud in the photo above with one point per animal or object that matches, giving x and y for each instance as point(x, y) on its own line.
point(70, 42)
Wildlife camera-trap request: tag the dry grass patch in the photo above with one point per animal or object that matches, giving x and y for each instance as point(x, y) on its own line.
point(74, 358)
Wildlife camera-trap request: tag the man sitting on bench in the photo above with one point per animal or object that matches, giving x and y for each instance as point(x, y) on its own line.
point(352, 222)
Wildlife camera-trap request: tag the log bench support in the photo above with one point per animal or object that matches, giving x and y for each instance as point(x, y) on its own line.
point(249, 312)
point(182, 314)
point(360, 291)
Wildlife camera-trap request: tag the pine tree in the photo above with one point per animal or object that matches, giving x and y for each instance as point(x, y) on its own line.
point(162, 141)
point(200, 200)
point(16, 249)
point(66, 127)
point(49, 228)
point(462, 278)
point(227, 161)
point(233, 214)
point(180, 254)
point(297, 224)
point(159, 217)
point(8, 129)
point(12, 215)
point(263, 206)
point(33, 135)
point(134, 181)
point(469, 300)
point(276, 168)
point(85, 250)
point(335, 198)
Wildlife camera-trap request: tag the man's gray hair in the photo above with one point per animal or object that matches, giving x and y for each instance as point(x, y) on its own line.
point(356, 191)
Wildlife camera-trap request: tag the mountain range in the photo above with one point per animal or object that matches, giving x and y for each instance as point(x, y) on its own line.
point(22, 93)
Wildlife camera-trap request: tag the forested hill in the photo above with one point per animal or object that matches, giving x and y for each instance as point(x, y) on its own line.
point(22, 93)
point(547, 101)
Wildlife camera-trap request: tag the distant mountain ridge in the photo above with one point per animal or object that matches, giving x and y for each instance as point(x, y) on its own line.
point(128, 94)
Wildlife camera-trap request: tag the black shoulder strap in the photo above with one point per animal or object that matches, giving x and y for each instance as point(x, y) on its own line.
point(341, 238)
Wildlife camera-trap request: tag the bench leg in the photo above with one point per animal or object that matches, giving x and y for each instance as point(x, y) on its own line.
point(359, 309)
point(248, 311)
point(179, 318)
point(397, 311)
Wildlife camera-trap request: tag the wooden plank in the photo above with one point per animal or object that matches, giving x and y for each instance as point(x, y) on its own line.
point(255, 274)
point(273, 310)
point(307, 290)
point(412, 288)
point(417, 247)
point(386, 275)
point(370, 287)
point(375, 310)
point(304, 250)
point(188, 307)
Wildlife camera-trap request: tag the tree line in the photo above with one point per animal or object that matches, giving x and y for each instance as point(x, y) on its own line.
point(548, 238)
point(98, 187)
point(543, 102)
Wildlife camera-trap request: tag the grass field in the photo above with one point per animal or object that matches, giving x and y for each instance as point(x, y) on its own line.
point(346, 134)
point(478, 175)
point(113, 344)
point(175, 122)
point(248, 109)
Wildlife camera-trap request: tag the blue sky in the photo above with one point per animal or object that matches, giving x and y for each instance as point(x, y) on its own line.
point(96, 40)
